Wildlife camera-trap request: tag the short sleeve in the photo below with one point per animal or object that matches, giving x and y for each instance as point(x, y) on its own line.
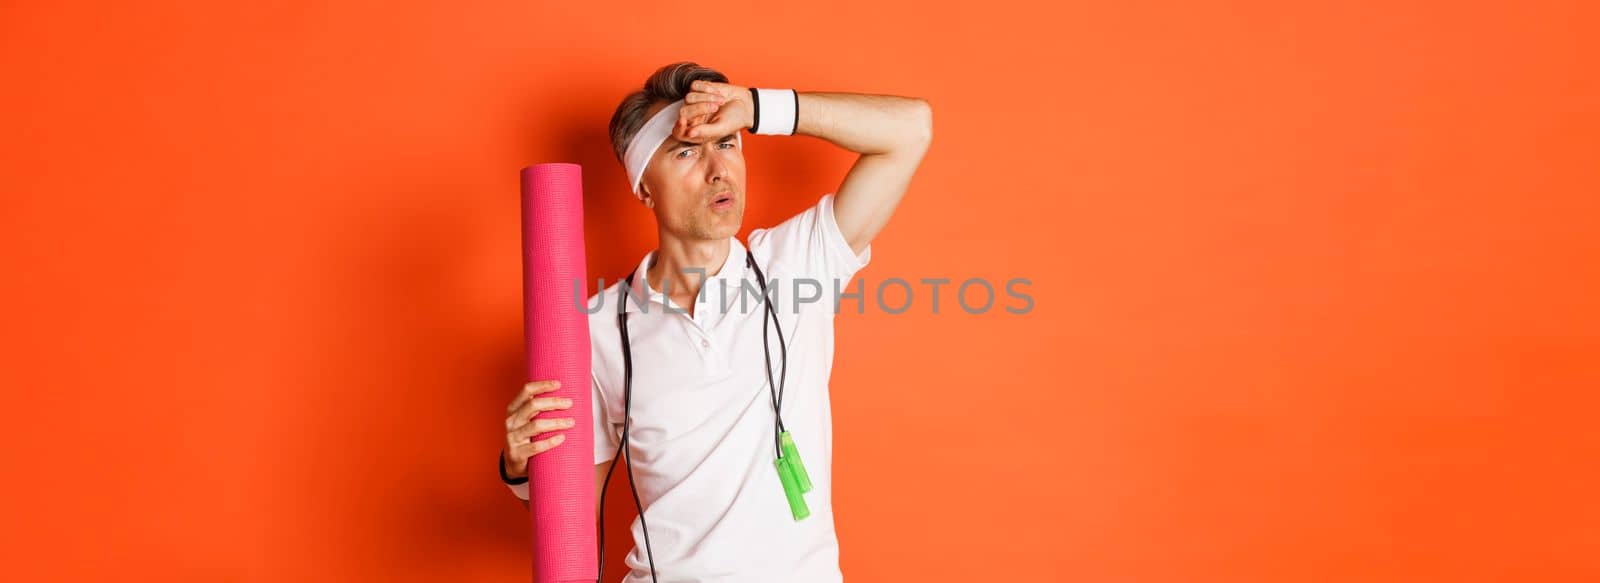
point(606, 433)
point(812, 244)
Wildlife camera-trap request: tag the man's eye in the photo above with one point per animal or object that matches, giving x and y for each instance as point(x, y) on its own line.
point(684, 151)
point(729, 144)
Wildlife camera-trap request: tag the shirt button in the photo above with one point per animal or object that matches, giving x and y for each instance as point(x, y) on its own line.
point(705, 344)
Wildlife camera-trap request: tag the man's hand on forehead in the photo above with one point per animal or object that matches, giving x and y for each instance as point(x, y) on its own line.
point(713, 110)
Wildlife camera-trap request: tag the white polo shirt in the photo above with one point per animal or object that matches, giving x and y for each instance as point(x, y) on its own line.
point(702, 425)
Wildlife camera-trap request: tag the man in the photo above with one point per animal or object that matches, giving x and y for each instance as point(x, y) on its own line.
point(702, 412)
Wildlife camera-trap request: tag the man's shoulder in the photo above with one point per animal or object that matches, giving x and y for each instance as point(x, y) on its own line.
point(788, 235)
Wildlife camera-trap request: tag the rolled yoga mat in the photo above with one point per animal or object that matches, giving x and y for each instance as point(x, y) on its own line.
point(561, 480)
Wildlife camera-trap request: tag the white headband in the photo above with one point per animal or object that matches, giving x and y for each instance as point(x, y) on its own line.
point(644, 144)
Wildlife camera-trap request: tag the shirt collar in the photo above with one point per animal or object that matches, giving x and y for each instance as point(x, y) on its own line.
point(732, 271)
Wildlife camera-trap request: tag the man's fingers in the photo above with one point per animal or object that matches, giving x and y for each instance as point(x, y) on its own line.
point(532, 407)
point(723, 90)
point(517, 455)
point(540, 425)
point(684, 124)
point(716, 128)
point(523, 450)
point(529, 390)
point(689, 112)
point(681, 131)
point(703, 97)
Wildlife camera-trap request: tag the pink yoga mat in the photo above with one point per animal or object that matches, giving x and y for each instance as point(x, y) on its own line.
point(561, 480)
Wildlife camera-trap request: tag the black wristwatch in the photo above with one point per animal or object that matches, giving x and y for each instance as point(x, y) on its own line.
point(507, 479)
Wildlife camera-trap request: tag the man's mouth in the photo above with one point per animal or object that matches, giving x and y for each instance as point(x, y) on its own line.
point(722, 201)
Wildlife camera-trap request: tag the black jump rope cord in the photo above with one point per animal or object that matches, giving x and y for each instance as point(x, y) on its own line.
point(766, 349)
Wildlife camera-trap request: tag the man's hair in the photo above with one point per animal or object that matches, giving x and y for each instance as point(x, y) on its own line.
point(669, 83)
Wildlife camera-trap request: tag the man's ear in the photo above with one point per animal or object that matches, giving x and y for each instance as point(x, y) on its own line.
point(644, 196)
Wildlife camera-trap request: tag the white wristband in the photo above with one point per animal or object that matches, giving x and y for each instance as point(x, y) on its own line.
point(776, 111)
point(521, 490)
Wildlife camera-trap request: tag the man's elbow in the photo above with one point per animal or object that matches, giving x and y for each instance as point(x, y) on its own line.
point(924, 121)
point(919, 127)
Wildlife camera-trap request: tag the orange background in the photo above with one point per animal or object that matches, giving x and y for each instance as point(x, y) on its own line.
point(1315, 286)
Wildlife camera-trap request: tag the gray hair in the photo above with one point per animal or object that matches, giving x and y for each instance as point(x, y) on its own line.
point(669, 83)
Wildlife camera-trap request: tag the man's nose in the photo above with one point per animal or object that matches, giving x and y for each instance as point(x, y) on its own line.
point(717, 168)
